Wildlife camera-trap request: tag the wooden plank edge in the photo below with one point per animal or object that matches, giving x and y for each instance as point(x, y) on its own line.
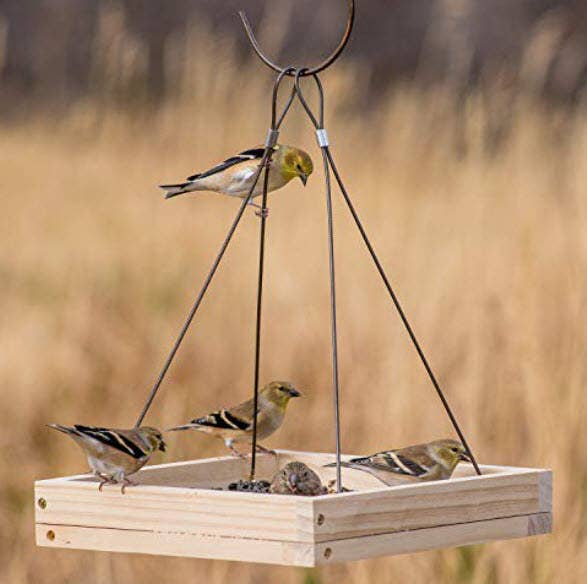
point(545, 491)
point(420, 540)
point(82, 482)
point(542, 476)
point(291, 553)
point(175, 544)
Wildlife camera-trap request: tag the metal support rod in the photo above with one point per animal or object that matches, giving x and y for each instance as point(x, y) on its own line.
point(324, 145)
point(258, 322)
point(333, 330)
point(401, 312)
point(270, 142)
point(200, 297)
point(322, 139)
point(275, 123)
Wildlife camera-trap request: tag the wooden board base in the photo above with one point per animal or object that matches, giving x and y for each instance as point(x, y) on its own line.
point(175, 512)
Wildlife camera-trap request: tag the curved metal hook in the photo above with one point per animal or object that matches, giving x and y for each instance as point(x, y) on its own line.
point(307, 71)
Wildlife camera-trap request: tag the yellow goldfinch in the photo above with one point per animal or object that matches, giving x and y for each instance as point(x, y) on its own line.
point(433, 461)
point(296, 478)
point(236, 424)
point(114, 455)
point(235, 175)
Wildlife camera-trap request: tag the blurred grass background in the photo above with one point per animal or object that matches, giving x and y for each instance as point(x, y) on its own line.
point(473, 194)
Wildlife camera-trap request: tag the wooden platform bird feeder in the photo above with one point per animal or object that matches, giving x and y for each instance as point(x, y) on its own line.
point(175, 511)
point(181, 509)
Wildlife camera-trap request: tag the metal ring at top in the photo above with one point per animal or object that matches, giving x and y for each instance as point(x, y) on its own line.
point(307, 71)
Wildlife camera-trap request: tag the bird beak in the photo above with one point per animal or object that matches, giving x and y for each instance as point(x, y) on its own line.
point(465, 456)
point(294, 393)
point(292, 479)
point(162, 446)
point(303, 177)
point(170, 195)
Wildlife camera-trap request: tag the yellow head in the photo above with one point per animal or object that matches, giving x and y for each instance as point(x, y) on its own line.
point(279, 393)
point(448, 453)
point(293, 163)
point(153, 437)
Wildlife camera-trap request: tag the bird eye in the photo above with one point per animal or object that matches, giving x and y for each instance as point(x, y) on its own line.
point(454, 449)
point(298, 167)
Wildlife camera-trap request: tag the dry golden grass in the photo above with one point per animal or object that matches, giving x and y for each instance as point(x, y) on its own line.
point(489, 258)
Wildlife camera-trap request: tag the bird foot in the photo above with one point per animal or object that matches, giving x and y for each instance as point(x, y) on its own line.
point(263, 212)
point(236, 453)
point(104, 481)
point(126, 483)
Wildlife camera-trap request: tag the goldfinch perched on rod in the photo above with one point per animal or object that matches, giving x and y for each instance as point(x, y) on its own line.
point(235, 175)
point(235, 424)
point(114, 455)
point(433, 461)
point(296, 478)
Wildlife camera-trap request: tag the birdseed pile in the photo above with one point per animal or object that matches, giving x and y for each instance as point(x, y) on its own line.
point(250, 486)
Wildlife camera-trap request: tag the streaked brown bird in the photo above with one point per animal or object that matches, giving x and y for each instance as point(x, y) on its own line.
point(114, 455)
point(234, 425)
point(297, 478)
point(432, 461)
point(234, 176)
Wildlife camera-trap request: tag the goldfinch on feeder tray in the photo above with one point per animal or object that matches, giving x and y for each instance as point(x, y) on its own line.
point(433, 461)
point(235, 424)
point(296, 478)
point(235, 175)
point(114, 455)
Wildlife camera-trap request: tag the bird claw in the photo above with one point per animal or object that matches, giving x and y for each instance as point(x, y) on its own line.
point(263, 213)
point(104, 481)
point(126, 483)
point(236, 453)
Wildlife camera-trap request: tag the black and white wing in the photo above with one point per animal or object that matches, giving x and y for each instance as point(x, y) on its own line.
point(246, 156)
point(223, 420)
point(392, 461)
point(118, 440)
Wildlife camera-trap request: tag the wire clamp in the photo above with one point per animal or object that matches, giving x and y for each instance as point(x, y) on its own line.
point(322, 138)
point(271, 140)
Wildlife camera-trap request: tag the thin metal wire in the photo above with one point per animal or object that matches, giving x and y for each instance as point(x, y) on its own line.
point(307, 71)
point(319, 125)
point(401, 313)
point(334, 331)
point(266, 155)
point(275, 123)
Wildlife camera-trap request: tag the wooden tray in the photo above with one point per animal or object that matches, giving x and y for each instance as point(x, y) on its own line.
point(175, 512)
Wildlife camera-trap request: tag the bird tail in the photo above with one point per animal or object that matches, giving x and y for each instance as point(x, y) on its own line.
point(189, 426)
point(345, 464)
point(178, 189)
point(64, 429)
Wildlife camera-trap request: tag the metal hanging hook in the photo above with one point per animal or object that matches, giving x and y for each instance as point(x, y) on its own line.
point(307, 71)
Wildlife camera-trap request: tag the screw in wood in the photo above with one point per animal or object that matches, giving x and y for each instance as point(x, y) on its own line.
point(42, 503)
point(320, 519)
point(327, 553)
point(50, 535)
